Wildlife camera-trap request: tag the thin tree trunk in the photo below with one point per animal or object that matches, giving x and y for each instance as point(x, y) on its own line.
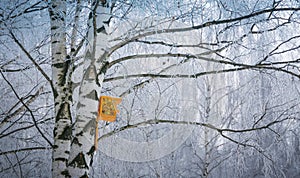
point(82, 147)
point(73, 159)
point(61, 89)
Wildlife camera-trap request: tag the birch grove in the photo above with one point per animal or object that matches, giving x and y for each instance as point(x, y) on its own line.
point(209, 88)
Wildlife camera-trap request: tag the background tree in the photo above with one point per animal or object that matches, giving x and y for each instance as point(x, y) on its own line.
point(227, 70)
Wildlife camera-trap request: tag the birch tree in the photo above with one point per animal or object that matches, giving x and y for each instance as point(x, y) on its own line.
point(236, 60)
point(72, 155)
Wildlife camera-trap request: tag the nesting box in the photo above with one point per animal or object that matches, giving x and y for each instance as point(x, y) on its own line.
point(108, 108)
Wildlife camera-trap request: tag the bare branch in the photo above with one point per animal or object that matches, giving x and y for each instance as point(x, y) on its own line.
point(31, 58)
point(24, 149)
point(31, 113)
point(210, 126)
point(175, 75)
point(204, 25)
point(31, 99)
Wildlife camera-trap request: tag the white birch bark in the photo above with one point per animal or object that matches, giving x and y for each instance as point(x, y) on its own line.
point(82, 147)
point(61, 89)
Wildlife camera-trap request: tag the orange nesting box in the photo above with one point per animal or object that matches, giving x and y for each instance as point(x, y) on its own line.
point(108, 108)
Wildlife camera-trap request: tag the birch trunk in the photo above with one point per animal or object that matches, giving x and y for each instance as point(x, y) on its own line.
point(73, 159)
point(61, 89)
point(82, 146)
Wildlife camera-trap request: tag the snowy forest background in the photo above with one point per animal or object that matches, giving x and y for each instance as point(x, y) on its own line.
point(209, 88)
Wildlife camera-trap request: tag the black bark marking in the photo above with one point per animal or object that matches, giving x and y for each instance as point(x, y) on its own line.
point(61, 159)
point(63, 112)
point(54, 27)
point(79, 134)
point(62, 79)
point(58, 65)
point(56, 41)
point(79, 161)
point(76, 141)
point(108, 21)
point(51, 13)
point(90, 15)
point(92, 150)
point(54, 132)
point(104, 67)
point(55, 94)
point(66, 173)
point(101, 30)
point(66, 134)
point(69, 98)
point(91, 162)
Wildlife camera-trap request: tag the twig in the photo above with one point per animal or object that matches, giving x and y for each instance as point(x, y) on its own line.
point(29, 110)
